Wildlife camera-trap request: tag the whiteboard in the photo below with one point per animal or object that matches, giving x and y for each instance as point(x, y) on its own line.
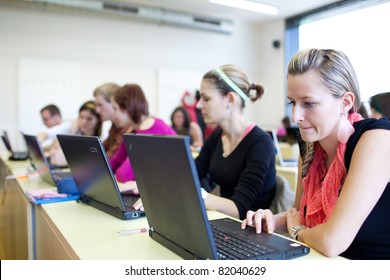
point(42, 82)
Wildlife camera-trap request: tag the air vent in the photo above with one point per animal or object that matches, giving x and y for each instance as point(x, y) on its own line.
point(117, 8)
point(207, 21)
point(133, 12)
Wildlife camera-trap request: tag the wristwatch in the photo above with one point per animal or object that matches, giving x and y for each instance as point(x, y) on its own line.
point(204, 193)
point(296, 230)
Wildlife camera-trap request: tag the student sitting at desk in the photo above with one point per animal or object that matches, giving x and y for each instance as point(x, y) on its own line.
point(380, 105)
point(282, 130)
point(51, 115)
point(131, 109)
point(105, 109)
point(87, 123)
point(343, 192)
point(238, 156)
point(183, 125)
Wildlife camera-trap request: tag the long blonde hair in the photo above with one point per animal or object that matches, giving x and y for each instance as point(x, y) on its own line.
point(336, 73)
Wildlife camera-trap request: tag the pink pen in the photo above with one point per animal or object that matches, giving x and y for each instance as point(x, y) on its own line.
point(132, 231)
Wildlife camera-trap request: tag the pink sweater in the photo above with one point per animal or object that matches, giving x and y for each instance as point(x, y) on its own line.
point(120, 162)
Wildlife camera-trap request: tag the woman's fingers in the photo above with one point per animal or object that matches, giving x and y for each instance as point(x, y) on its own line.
point(259, 220)
point(138, 205)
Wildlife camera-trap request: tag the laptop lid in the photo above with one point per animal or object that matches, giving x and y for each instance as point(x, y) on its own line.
point(278, 152)
point(15, 155)
point(93, 176)
point(6, 141)
point(38, 159)
point(168, 182)
point(167, 179)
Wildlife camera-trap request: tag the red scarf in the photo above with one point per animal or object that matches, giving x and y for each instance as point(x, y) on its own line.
point(319, 197)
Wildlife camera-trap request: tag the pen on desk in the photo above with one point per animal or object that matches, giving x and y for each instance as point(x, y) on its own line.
point(23, 176)
point(132, 231)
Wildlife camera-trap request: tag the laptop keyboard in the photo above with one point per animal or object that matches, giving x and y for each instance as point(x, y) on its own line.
point(129, 200)
point(230, 247)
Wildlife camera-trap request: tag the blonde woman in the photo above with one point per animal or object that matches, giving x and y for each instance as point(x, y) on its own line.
point(343, 193)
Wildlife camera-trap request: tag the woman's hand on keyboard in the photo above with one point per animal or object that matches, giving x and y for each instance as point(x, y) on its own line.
point(138, 205)
point(261, 220)
point(129, 186)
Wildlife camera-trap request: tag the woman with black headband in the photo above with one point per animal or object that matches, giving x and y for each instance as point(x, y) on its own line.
point(239, 156)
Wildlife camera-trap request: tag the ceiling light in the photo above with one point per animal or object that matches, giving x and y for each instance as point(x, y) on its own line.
point(248, 5)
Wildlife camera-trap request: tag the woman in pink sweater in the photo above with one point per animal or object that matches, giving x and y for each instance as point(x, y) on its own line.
point(131, 108)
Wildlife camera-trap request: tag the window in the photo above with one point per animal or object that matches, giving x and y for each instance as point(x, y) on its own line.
point(358, 28)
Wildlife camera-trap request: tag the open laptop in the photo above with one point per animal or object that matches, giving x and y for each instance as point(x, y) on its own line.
point(168, 182)
point(61, 178)
point(15, 155)
point(94, 178)
point(278, 152)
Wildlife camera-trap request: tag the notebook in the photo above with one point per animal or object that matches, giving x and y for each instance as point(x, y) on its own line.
point(15, 155)
point(61, 178)
point(94, 178)
point(167, 179)
point(44, 196)
point(278, 152)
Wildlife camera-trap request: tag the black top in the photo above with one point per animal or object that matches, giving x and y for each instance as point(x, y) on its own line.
point(373, 239)
point(247, 176)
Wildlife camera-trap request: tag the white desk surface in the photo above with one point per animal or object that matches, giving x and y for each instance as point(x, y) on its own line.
point(93, 234)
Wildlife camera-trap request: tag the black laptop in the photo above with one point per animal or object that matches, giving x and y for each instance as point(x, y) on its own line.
point(61, 178)
point(94, 178)
point(15, 155)
point(167, 179)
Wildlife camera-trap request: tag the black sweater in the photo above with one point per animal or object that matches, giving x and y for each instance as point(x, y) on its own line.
point(247, 176)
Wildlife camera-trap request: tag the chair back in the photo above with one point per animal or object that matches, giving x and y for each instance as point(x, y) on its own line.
point(284, 196)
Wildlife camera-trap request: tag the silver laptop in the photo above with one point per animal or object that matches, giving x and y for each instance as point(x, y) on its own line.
point(278, 152)
point(94, 178)
point(168, 182)
point(15, 155)
point(61, 178)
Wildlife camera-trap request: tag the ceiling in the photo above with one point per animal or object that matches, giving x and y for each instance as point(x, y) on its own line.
point(287, 8)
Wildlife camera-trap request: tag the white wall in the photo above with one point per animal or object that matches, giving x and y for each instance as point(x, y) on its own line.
point(270, 72)
point(108, 50)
